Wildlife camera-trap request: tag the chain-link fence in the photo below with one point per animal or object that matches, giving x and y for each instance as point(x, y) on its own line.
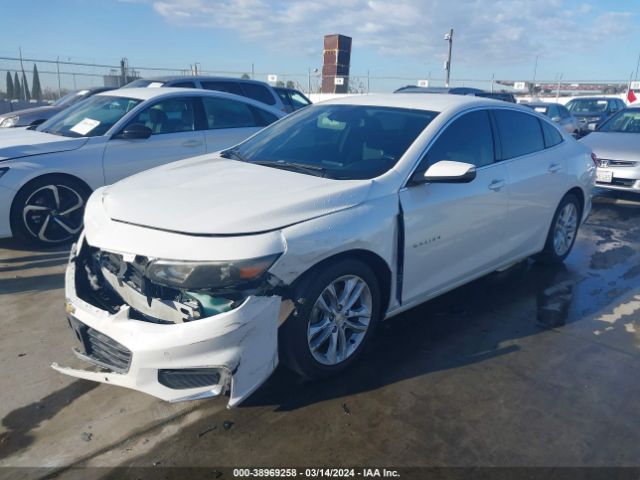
point(57, 77)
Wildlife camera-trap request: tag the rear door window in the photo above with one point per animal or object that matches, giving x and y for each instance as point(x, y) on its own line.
point(184, 85)
point(258, 92)
point(223, 86)
point(226, 113)
point(519, 133)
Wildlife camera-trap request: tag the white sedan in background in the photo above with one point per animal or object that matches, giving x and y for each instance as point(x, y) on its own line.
point(197, 277)
point(47, 173)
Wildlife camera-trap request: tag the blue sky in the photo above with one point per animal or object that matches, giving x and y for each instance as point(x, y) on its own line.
point(579, 39)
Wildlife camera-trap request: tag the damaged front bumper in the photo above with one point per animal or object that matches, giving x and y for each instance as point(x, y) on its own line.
point(235, 350)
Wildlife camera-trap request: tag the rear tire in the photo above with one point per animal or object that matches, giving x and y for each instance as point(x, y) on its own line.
point(49, 210)
point(563, 231)
point(336, 316)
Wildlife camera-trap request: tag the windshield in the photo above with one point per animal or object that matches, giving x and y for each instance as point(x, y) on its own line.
point(587, 105)
point(625, 121)
point(90, 118)
point(337, 141)
point(70, 98)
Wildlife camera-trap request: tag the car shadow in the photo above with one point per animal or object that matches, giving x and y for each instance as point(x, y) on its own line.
point(471, 324)
point(17, 244)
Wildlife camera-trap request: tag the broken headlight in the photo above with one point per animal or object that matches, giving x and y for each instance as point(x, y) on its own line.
point(205, 275)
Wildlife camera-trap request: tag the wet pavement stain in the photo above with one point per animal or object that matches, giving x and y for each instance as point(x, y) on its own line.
point(602, 260)
point(503, 371)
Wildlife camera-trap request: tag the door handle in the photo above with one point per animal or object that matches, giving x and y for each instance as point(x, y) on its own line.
point(554, 167)
point(496, 185)
point(192, 143)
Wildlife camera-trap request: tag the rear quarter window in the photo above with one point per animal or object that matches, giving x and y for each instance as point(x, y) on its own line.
point(551, 135)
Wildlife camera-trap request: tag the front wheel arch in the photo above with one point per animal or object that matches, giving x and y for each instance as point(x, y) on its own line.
point(373, 260)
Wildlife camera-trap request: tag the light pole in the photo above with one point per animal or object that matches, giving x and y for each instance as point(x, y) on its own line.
point(447, 66)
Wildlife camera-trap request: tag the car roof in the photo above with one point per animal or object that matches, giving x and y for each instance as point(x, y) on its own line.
point(169, 78)
point(539, 104)
point(145, 93)
point(594, 98)
point(452, 90)
point(436, 102)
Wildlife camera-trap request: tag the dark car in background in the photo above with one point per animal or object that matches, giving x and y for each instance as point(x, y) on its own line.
point(293, 99)
point(505, 97)
point(592, 111)
point(254, 89)
point(37, 115)
point(558, 114)
point(451, 90)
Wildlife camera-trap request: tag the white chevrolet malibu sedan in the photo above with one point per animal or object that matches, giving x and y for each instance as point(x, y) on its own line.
point(47, 173)
point(195, 278)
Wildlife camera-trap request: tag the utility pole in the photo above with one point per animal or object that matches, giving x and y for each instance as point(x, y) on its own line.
point(637, 66)
point(558, 90)
point(58, 70)
point(447, 66)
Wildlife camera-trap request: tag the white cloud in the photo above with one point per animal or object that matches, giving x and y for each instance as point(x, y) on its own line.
point(496, 32)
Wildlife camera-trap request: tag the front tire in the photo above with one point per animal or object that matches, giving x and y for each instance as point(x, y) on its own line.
point(337, 313)
point(49, 210)
point(563, 231)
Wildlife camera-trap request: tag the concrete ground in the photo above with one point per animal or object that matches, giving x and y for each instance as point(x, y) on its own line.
point(534, 366)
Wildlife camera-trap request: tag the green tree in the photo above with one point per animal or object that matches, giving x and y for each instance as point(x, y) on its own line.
point(25, 87)
point(245, 76)
point(17, 88)
point(36, 89)
point(9, 87)
point(291, 84)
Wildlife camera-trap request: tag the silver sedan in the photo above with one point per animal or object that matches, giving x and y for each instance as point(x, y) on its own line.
point(558, 114)
point(616, 144)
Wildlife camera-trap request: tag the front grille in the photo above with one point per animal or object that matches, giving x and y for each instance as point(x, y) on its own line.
point(106, 350)
point(189, 378)
point(605, 162)
point(102, 349)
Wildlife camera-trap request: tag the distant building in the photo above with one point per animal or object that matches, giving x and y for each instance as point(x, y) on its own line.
point(336, 62)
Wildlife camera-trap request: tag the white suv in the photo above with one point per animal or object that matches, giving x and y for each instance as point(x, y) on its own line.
point(198, 276)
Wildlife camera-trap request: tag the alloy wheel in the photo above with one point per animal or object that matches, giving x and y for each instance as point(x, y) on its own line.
point(53, 213)
point(339, 320)
point(565, 229)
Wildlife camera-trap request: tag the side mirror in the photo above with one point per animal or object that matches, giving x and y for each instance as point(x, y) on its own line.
point(448, 171)
point(555, 119)
point(134, 131)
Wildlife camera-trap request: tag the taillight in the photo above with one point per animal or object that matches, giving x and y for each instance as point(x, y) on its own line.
point(594, 159)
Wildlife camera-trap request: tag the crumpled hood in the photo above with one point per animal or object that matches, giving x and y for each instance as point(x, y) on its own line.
point(614, 146)
point(210, 195)
point(20, 142)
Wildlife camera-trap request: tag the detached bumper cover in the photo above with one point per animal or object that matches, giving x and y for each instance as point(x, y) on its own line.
point(239, 345)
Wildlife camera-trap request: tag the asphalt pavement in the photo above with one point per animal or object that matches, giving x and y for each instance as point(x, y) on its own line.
point(533, 366)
